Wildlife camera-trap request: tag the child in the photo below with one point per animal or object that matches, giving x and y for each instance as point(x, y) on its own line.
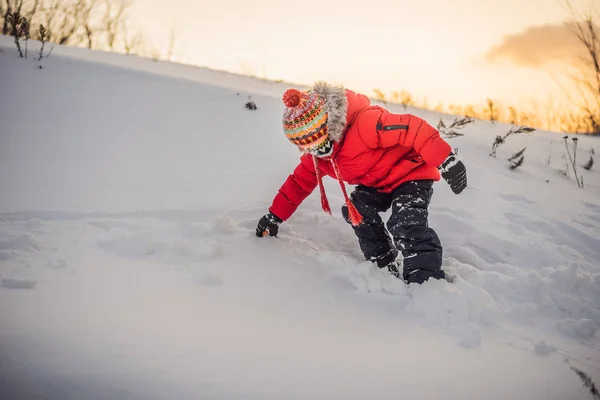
point(392, 158)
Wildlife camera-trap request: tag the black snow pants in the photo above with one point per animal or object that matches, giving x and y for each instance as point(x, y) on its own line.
point(407, 229)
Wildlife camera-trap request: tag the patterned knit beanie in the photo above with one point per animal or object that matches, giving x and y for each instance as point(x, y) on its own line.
point(305, 122)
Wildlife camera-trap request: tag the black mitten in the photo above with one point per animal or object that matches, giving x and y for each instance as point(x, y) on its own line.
point(454, 172)
point(268, 225)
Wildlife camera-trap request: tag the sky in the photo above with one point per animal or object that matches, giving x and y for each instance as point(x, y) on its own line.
point(462, 51)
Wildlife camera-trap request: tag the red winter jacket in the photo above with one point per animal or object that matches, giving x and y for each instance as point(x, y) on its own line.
point(372, 147)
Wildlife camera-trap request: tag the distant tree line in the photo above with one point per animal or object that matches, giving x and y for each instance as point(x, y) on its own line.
point(547, 116)
point(94, 24)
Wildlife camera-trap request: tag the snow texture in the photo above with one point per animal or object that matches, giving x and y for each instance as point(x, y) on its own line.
point(129, 194)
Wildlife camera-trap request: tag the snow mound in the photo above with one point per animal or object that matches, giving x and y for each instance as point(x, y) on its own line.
point(583, 328)
point(178, 241)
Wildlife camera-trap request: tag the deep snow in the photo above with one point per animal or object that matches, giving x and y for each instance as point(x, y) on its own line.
point(129, 194)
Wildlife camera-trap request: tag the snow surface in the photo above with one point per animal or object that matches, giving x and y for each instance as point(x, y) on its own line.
point(129, 194)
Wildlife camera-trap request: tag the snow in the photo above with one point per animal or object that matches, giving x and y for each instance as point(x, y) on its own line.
point(543, 349)
point(129, 194)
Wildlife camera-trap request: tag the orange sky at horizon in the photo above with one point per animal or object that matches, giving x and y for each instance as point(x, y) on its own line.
point(431, 48)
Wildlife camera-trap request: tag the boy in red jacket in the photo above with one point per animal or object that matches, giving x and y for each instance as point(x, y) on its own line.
point(393, 159)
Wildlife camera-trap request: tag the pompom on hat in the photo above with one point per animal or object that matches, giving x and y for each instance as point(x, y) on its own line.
point(305, 125)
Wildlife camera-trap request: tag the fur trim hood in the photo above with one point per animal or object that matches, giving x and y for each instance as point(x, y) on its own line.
point(336, 105)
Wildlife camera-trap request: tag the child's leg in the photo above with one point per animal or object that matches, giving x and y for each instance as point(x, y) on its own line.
point(373, 239)
point(412, 235)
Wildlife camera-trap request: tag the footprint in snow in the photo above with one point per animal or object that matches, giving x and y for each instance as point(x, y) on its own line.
point(516, 198)
point(207, 278)
point(5, 255)
point(13, 283)
point(594, 207)
point(57, 264)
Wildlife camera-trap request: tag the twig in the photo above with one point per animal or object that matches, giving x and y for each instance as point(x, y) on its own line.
point(589, 164)
point(516, 160)
point(587, 382)
point(572, 163)
point(16, 21)
point(451, 131)
point(575, 140)
point(502, 139)
point(250, 105)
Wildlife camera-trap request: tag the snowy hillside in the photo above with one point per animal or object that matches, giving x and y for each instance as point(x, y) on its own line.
point(129, 194)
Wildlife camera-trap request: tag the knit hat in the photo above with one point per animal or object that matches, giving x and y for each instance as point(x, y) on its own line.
point(305, 124)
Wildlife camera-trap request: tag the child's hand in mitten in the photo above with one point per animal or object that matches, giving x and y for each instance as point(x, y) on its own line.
point(268, 225)
point(454, 172)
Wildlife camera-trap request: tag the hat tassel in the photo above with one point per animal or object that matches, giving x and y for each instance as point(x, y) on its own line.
point(324, 201)
point(353, 214)
point(355, 217)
